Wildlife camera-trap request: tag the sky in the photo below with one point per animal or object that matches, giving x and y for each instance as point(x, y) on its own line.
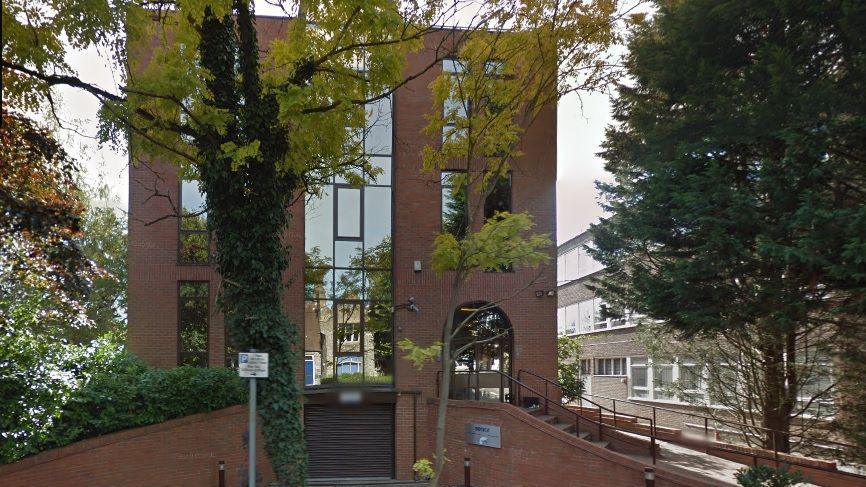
point(581, 121)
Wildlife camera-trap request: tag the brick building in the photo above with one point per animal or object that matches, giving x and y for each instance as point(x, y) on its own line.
point(366, 284)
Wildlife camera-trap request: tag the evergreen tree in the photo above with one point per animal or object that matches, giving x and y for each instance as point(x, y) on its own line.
point(739, 157)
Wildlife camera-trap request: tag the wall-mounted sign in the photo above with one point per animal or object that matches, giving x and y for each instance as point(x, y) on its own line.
point(483, 435)
point(253, 365)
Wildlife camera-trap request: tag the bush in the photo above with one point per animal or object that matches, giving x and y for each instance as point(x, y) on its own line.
point(116, 391)
point(764, 476)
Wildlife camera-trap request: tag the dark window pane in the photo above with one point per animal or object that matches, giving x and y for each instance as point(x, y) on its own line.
point(499, 198)
point(349, 212)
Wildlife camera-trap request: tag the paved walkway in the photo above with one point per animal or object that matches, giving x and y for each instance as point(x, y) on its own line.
point(692, 462)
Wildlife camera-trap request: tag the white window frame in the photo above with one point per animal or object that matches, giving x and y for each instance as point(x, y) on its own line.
point(610, 365)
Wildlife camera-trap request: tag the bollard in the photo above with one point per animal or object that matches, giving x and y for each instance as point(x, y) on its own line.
point(649, 476)
point(466, 474)
point(222, 473)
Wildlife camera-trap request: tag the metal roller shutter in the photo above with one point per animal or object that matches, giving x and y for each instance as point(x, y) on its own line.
point(350, 441)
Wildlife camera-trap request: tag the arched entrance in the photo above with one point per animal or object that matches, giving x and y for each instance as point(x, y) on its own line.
point(485, 342)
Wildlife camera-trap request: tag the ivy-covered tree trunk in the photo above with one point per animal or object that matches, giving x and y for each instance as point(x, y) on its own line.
point(248, 206)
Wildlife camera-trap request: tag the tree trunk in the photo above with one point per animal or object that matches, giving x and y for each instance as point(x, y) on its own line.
point(247, 215)
point(777, 406)
point(444, 389)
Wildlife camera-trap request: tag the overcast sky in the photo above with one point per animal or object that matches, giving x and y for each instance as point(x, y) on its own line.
point(581, 123)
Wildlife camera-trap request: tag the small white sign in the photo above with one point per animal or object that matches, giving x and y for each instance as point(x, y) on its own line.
point(253, 365)
point(483, 435)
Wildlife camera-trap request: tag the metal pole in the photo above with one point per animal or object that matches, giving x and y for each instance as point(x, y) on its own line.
point(222, 473)
point(706, 428)
point(252, 434)
point(466, 474)
point(649, 475)
point(614, 413)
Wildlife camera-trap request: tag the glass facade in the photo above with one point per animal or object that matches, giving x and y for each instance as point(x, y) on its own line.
point(347, 278)
point(194, 242)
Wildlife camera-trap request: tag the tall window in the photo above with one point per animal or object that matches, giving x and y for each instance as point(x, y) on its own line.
point(347, 278)
point(455, 108)
point(499, 197)
point(194, 238)
point(454, 204)
point(193, 305)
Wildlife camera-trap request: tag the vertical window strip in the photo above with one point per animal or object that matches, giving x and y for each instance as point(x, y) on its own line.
point(193, 323)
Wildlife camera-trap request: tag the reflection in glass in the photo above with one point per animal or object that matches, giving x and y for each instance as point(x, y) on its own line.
point(347, 253)
point(348, 212)
point(194, 239)
point(348, 267)
point(382, 175)
point(486, 337)
point(193, 326)
point(378, 333)
point(319, 225)
point(377, 216)
point(454, 204)
point(377, 139)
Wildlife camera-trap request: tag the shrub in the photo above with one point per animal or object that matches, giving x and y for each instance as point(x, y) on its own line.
point(764, 476)
point(111, 390)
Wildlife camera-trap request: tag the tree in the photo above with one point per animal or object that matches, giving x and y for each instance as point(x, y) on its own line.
point(738, 200)
point(726, 369)
point(103, 241)
point(568, 363)
point(257, 131)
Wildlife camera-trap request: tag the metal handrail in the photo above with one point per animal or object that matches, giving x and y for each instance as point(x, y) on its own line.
point(724, 421)
point(598, 406)
point(547, 401)
point(791, 459)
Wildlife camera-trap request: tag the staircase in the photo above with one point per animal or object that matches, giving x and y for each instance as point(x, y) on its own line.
point(364, 482)
point(567, 427)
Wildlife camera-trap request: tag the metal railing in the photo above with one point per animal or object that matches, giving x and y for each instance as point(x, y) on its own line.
point(789, 458)
point(519, 387)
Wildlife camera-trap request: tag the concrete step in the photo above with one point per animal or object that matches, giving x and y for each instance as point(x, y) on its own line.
point(583, 435)
point(567, 427)
point(547, 418)
point(603, 444)
point(533, 411)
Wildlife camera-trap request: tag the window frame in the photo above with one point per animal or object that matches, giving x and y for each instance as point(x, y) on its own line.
point(182, 232)
point(602, 370)
point(181, 354)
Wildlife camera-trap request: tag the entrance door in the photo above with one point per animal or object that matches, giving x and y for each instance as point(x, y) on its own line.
point(350, 440)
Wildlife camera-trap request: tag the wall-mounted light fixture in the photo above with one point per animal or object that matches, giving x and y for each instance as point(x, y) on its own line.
point(410, 305)
point(540, 293)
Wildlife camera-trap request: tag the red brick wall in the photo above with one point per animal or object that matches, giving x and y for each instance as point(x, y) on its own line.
point(183, 452)
point(537, 454)
point(154, 271)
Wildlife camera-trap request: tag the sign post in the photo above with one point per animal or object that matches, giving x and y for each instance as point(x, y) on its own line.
point(254, 366)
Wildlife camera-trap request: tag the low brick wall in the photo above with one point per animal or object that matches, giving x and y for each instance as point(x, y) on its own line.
point(537, 454)
point(182, 451)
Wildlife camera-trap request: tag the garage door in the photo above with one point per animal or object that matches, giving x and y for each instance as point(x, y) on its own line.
point(350, 441)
